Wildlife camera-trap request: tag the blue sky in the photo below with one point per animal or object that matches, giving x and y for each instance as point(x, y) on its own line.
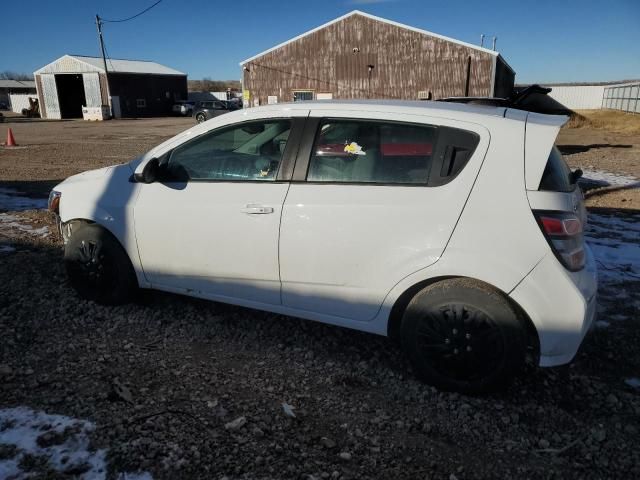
point(544, 41)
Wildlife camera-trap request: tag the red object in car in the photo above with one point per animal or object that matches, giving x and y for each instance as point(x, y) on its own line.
point(387, 149)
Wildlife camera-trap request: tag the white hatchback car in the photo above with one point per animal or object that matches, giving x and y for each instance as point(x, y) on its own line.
point(457, 229)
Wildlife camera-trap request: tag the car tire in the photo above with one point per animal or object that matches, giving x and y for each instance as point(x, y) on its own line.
point(98, 267)
point(463, 336)
point(201, 118)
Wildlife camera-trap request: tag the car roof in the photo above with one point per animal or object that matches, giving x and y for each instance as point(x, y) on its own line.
point(451, 110)
point(437, 109)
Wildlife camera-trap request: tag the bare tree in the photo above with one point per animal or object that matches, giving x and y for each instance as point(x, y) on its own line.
point(10, 75)
point(208, 85)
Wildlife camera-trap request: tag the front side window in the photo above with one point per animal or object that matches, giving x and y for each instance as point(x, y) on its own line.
point(243, 152)
point(360, 151)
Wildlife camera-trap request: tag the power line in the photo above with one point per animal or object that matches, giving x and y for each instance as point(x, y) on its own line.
point(134, 16)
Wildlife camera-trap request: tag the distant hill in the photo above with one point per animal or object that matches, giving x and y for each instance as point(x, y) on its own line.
point(208, 85)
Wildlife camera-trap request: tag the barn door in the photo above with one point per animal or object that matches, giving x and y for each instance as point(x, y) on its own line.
point(92, 89)
point(50, 96)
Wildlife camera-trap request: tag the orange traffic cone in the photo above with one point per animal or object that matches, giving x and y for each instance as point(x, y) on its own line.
point(11, 142)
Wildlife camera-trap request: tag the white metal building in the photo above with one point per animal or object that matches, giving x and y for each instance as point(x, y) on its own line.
point(583, 96)
point(135, 88)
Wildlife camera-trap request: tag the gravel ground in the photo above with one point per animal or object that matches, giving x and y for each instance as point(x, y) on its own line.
point(184, 388)
point(597, 149)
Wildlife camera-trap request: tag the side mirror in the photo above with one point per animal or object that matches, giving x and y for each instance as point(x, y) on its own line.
point(575, 175)
point(149, 173)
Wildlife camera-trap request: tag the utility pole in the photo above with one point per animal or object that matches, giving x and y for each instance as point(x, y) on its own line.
point(104, 60)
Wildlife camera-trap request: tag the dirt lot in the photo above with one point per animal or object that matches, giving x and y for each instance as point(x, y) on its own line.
point(605, 141)
point(167, 379)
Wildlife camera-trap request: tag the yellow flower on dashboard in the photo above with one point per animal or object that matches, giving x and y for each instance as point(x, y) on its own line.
point(354, 148)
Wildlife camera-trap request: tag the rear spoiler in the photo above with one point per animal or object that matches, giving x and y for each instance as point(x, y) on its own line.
point(515, 100)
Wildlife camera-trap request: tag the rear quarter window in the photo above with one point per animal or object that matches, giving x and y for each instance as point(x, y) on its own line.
point(557, 174)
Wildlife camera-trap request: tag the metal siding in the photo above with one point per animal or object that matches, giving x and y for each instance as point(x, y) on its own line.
point(578, 97)
point(92, 92)
point(18, 101)
point(43, 108)
point(405, 62)
point(68, 64)
point(50, 96)
point(80, 64)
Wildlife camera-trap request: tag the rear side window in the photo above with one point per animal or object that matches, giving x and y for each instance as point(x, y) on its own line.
point(557, 174)
point(356, 151)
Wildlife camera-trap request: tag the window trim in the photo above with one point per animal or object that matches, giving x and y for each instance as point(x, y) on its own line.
point(285, 168)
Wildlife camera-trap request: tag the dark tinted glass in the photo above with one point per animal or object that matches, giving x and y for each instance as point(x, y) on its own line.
point(557, 175)
point(353, 151)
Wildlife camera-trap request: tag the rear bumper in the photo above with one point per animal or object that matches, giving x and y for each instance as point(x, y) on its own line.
point(561, 304)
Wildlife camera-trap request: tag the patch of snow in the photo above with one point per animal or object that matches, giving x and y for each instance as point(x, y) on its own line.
point(8, 222)
point(67, 447)
point(614, 242)
point(633, 382)
point(13, 200)
point(599, 178)
point(22, 427)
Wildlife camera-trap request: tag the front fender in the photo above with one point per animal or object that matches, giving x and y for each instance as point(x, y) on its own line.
point(105, 197)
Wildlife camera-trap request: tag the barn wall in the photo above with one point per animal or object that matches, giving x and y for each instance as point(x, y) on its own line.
point(159, 92)
point(405, 63)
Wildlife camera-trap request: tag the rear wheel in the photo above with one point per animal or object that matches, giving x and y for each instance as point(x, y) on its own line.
point(200, 118)
point(463, 336)
point(98, 267)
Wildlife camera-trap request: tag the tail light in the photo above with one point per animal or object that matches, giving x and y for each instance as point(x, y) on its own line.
point(564, 232)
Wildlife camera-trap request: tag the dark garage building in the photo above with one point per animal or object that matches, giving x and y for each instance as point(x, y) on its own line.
point(362, 56)
point(135, 88)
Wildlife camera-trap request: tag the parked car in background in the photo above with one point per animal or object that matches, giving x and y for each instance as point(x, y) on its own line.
point(183, 108)
point(205, 110)
point(4, 106)
point(457, 229)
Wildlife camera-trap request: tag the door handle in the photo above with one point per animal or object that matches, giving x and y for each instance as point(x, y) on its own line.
point(252, 209)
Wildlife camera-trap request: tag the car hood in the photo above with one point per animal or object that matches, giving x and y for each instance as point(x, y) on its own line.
point(97, 174)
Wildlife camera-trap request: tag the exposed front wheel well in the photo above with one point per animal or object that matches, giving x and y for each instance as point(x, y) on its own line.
point(397, 311)
point(67, 228)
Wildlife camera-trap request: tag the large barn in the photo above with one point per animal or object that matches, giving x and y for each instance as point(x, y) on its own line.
point(363, 56)
point(132, 88)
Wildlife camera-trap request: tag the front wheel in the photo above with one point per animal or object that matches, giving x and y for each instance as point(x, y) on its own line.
point(98, 267)
point(200, 118)
point(461, 335)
